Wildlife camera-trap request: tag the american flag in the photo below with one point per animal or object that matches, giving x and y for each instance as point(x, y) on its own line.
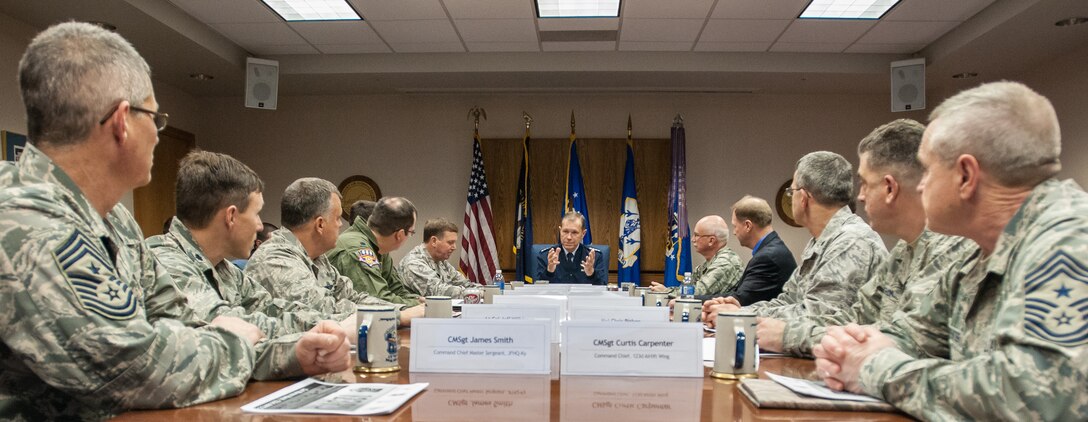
point(479, 258)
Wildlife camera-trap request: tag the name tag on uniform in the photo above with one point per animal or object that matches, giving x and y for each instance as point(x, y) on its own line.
point(620, 313)
point(648, 349)
point(484, 346)
point(510, 311)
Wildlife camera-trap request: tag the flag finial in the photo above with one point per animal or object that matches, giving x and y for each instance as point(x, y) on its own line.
point(678, 120)
point(475, 112)
point(572, 121)
point(528, 120)
point(628, 126)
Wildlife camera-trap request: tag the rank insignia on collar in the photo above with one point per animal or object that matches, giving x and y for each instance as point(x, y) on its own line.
point(367, 257)
point(93, 279)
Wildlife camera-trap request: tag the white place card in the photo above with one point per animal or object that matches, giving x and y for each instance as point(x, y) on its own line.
point(619, 313)
point(507, 311)
point(603, 300)
point(595, 399)
point(485, 346)
point(537, 292)
point(536, 300)
point(651, 349)
point(455, 397)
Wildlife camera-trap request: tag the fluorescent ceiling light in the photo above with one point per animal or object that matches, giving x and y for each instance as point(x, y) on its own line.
point(313, 10)
point(578, 8)
point(847, 9)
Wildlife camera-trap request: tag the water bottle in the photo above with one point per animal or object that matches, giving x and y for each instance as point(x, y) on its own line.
point(498, 281)
point(687, 290)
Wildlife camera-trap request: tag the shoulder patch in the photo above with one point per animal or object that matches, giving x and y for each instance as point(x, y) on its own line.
point(367, 257)
point(1056, 301)
point(94, 280)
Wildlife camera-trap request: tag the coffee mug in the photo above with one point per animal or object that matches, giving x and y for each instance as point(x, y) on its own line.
point(736, 353)
point(627, 287)
point(640, 291)
point(490, 292)
point(687, 310)
point(655, 299)
point(473, 296)
point(541, 282)
point(515, 285)
point(378, 342)
point(438, 307)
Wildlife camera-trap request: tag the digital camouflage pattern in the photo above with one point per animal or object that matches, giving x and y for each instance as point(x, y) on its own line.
point(912, 268)
point(428, 277)
point(718, 275)
point(282, 266)
point(1017, 327)
point(832, 269)
point(81, 339)
point(356, 257)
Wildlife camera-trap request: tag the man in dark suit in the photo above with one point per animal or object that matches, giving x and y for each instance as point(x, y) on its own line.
point(570, 261)
point(771, 263)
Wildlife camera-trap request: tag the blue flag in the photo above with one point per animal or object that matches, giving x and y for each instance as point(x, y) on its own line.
point(630, 224)
point(678, 245)
point(576, 191)
point(523, 219)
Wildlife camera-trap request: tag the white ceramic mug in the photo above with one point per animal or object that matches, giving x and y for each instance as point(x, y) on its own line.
point(736, 353)
point(655, 299)
point(687, 310)
point(378, 341)
point(438, 307)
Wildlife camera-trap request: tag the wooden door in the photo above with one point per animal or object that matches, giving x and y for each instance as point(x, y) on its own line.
point(154, 203)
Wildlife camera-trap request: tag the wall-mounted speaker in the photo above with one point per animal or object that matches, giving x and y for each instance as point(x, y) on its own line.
point(909, 85)
point(262, 83)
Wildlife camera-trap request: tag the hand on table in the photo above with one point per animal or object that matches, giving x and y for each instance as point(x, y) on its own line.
point(323, 349)
point(842, 352)
point(769, 333)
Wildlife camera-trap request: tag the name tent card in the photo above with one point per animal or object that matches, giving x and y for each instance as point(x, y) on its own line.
point(620, 313)
point(455, 397)
point(593, 399)
point(509, 311)
point(602, 300)
point(485, 346)
point(535, 300)
point(649, 349)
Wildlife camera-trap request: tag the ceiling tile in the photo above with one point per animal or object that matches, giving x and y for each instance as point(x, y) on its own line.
point(336, 32)
point(416, 31)
point(732, 46)
point(250, 34)
point(906, 32)
point(581, 24)
point(885, 48)
point(666, 9)
point(481, 47)
point(353, 48)
point(428, 47)
point(579, 46)
point(497, 30)
point(758, 9)
point(490, 9)
point(654, 46)
point(267, 50)
point(737, 30)
point(813, 47)
point(658, 30)
point(825, 31)
point(936, 10)
point(219, 11)
point(384, 10)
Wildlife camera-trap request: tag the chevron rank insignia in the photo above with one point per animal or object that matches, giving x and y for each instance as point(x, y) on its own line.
point(93, 279)
point(1056, 303)
point(367, 257)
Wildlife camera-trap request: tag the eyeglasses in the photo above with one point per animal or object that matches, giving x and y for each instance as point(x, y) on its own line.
point(159, 118)
point(791, 190)
point(410, 232)
point(696, 236)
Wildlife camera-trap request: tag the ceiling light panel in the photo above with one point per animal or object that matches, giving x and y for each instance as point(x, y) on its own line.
point(578, 8)
point(847, 9)
point(313, 10)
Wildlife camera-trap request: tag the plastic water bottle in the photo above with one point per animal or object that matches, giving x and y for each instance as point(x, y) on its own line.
point(687, 290)
point(498, 281)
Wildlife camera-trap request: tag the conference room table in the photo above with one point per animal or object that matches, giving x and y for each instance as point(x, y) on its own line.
point(500, 398)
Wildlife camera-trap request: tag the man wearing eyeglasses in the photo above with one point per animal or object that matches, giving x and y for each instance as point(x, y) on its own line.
point(721, 270)
point(841, 256)
point(362, 251)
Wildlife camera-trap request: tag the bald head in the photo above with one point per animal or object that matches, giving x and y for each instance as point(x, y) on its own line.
point(714, 225)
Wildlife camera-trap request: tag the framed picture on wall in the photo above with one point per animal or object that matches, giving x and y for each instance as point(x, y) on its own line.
point(13, 144)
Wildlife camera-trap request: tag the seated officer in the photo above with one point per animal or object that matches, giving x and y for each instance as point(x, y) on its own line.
point(570, 261)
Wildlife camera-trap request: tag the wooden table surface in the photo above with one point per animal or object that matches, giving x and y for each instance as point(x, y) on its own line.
point(499, 398)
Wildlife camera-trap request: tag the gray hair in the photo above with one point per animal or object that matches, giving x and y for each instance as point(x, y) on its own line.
point(306, 199)
point(893, 147)
point(718, 227)
point(1011, 130)
point(70, 76)
point(827, 176)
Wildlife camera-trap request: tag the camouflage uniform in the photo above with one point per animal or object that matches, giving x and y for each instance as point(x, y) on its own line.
point(833, 267)
point(432, 278)
point(223, 290)
point(918, 264)
point(80, 337)
point(283, 267)
point(718, 275)
point(356, 256)
point(1018, 327)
